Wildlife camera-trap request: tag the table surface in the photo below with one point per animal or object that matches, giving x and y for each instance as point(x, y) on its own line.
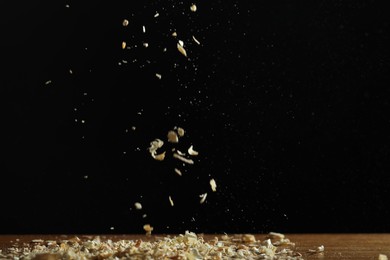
point(337, 246)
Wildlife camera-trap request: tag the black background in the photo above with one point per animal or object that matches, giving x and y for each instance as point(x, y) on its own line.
point(286, 102)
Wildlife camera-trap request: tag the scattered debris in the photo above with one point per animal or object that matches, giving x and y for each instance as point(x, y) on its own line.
point(148, 229)
point(158, 76)
point(195, 40)
point(193, 8)
point(171, 201)
point(123, 45)
point(178, 156)
point(178, 172)
point(191, 151)
point(125, 22)
point(181, 49)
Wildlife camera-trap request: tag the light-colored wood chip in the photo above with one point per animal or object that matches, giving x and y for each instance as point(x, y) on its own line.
point(125, 22)
point(158, 75)
point(174, 34)
point(180, 131)
point(160, 157)
point(171, 201)
point(203, 197)
point(195, 40)
point(148, 229)
point(382, 257)
point(193, 8)
point(172, 137)
point(143, 29)
point(145, 44)
point(181, 49)
point(191, 151)
point(123, 45)
point(183, 159)
point(138, 206)
point(178, 172)
point(213, 185)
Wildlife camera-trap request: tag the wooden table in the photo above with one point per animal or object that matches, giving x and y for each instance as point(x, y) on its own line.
point(337, 246)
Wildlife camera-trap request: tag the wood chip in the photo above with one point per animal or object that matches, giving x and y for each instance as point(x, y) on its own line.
point(191, 151)
point(125, 22)
point(123, 45)
point(174, 34)
point(178, 172)
point(158, 76)
point(160, 157)
point(183, 159)
point(195, 40)
point(193, 8)
point(171, 201)
point(203, 197)
point(138, 206)
point(213, 185)
point(172, 137)
point(181, 49)
point(148, 229)
point(180, 131)
point(382, 257)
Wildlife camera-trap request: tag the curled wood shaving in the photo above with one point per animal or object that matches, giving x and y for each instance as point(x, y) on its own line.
point(191, 151)
point(203, 197)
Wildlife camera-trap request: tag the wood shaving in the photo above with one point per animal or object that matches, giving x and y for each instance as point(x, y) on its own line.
point(145, 44)
point(123, 45)
point(203, 197)
point(178, 156)
point(195, 40)
point(187, 246)
point(125, 22)
point(180, 131)
point(156, 15)
point(143, 29)
point(181, 49)
point(154, 146)
point(319, 249)
point(191, 151)
point(174, 34)
point(213, 185)
point(178, 172)
point(172, 137)
point(158, 76)
point(138, 206)
point(148, 229)
point(193, 8)
point(171, 201)
point(160, 157)
point(382, 257)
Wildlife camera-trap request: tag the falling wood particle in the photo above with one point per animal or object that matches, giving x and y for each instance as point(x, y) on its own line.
point(203, 197)
point(123, 45)
point(172, 137)
point(125, 22)
point(148, 228)
point(156, 15)
point(158, 76)
point(195, 40)
point(138, 206)
point(174, 34)
point(177, 156)
point(193, 8)
point(191, 151)
point(171, 201)
point(181, 49)
point(213, 185)
point(178, 172)
point(382, 257)
point(143, 29)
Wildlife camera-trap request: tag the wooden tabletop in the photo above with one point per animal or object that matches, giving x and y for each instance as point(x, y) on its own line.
point(337, 246)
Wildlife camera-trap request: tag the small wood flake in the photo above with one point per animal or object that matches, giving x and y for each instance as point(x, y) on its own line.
point(138, 206)
point(158, 75)
point(213, 185)
point(181, 49)
point(177, 156)
point(125, 22)
point(178, 172)
point(171, 201)
point(143, 29)
point(382, 257)
point(191, 151)
point(195, 40)
point(203, 197)
point(193, 8)
point(123, 45)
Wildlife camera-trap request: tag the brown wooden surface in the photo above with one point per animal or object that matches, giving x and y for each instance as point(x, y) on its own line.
point(337, 246)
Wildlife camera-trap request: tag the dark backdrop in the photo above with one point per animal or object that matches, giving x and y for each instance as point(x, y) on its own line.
point(285, 101)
